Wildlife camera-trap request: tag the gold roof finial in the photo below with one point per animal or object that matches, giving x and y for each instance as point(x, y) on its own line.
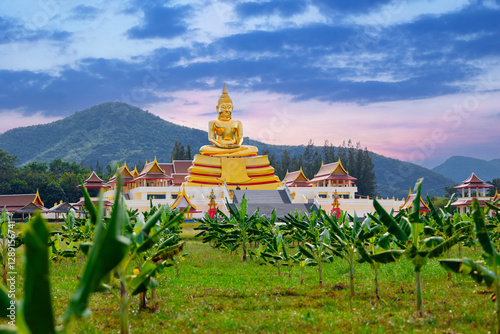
point(224, 98)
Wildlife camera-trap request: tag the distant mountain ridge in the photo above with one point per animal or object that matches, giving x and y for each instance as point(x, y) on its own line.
point(117, 132)
point(459, 168)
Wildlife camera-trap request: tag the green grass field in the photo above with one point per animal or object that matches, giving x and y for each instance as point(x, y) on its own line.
point(217, 292)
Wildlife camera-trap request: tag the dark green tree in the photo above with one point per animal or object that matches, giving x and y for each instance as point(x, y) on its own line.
point(285, 164)
point(98, 168)
point(496, 186)
point(7, 171)
point(328, 152)
point(178, 152)
point(36, 167)
point(342, 153)
point(450, 190)
point(368, 185)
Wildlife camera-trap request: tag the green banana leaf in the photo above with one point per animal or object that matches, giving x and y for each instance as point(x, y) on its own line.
point(5, 303)
point(136, 283)
point(387, 256)
point(37, 304)
point(492, 206)
point(306, 253)
point(481, 231)
point(446, 245)
point(474, 269)
point(391, 224)
point(107, 251)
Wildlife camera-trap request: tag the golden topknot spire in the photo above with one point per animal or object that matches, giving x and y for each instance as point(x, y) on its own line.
point(224, 98)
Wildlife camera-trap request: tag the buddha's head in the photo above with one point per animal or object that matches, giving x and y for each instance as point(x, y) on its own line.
point(225, 106)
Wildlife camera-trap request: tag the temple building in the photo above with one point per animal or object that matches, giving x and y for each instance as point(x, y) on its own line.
point(408, 203)
point(22, 204)
point(94, 182)
point(225, 170)
point(472, 187)
point(332, 189)
point(296, 179)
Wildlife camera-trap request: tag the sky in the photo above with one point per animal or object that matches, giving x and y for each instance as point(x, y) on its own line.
point(414, 80)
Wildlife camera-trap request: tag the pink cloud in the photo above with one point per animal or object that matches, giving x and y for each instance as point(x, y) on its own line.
point(15, 118)
point(419, 130)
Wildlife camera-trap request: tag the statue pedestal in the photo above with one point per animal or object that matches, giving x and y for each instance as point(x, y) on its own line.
point(245, 172)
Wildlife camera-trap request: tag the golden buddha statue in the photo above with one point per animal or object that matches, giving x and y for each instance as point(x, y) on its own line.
point(226, 134)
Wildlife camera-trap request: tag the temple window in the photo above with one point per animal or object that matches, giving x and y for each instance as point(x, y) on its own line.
point(156, 196)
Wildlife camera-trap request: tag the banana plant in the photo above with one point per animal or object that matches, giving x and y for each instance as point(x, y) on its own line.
point(35, 312)
point(381, 250)
point(145, 243)
point(487, 271)
point(317, 249)
point(176, 257)
point(240, 224)
point(275, 251)
point(409, 232)
point(346, 236)
point(292, 231)
point(146, 246)
point(300, 260)
point(212, 231)
point(443, 223)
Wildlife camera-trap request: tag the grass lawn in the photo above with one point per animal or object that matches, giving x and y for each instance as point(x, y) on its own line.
point(217, 292)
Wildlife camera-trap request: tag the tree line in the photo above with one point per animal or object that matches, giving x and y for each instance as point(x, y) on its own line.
point(354, 158)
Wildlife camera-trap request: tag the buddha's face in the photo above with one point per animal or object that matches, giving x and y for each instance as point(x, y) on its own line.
point(224, 110)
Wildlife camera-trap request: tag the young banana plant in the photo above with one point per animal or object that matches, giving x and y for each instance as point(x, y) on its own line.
point(345, 237)
point(241, 225)
point(275, 251)
point(441, 223)
point(381, 250)
point(317, 249)
point(487, 271)
point(408, 232)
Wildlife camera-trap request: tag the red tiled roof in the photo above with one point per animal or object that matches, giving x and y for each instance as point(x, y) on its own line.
point(167, 167)
point(473, 182)
point(15, 202)
point(178, 179)
point(409, 203)
point(153, 171)
point(334, 176)
point(182, 166)
point(94, 182)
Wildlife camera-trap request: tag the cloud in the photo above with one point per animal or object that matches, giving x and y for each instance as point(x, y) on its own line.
point(83, 12)
point(354, 7)
point(17, 118)
point(14, 31)
point(431, 56)
point(160, 22)
point(283, 8)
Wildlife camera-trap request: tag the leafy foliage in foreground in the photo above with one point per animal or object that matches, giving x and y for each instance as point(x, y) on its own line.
point(116, 243)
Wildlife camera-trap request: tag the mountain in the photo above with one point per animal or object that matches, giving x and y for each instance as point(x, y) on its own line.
point(117, 132)
point(459, 168)
point(396, 177)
